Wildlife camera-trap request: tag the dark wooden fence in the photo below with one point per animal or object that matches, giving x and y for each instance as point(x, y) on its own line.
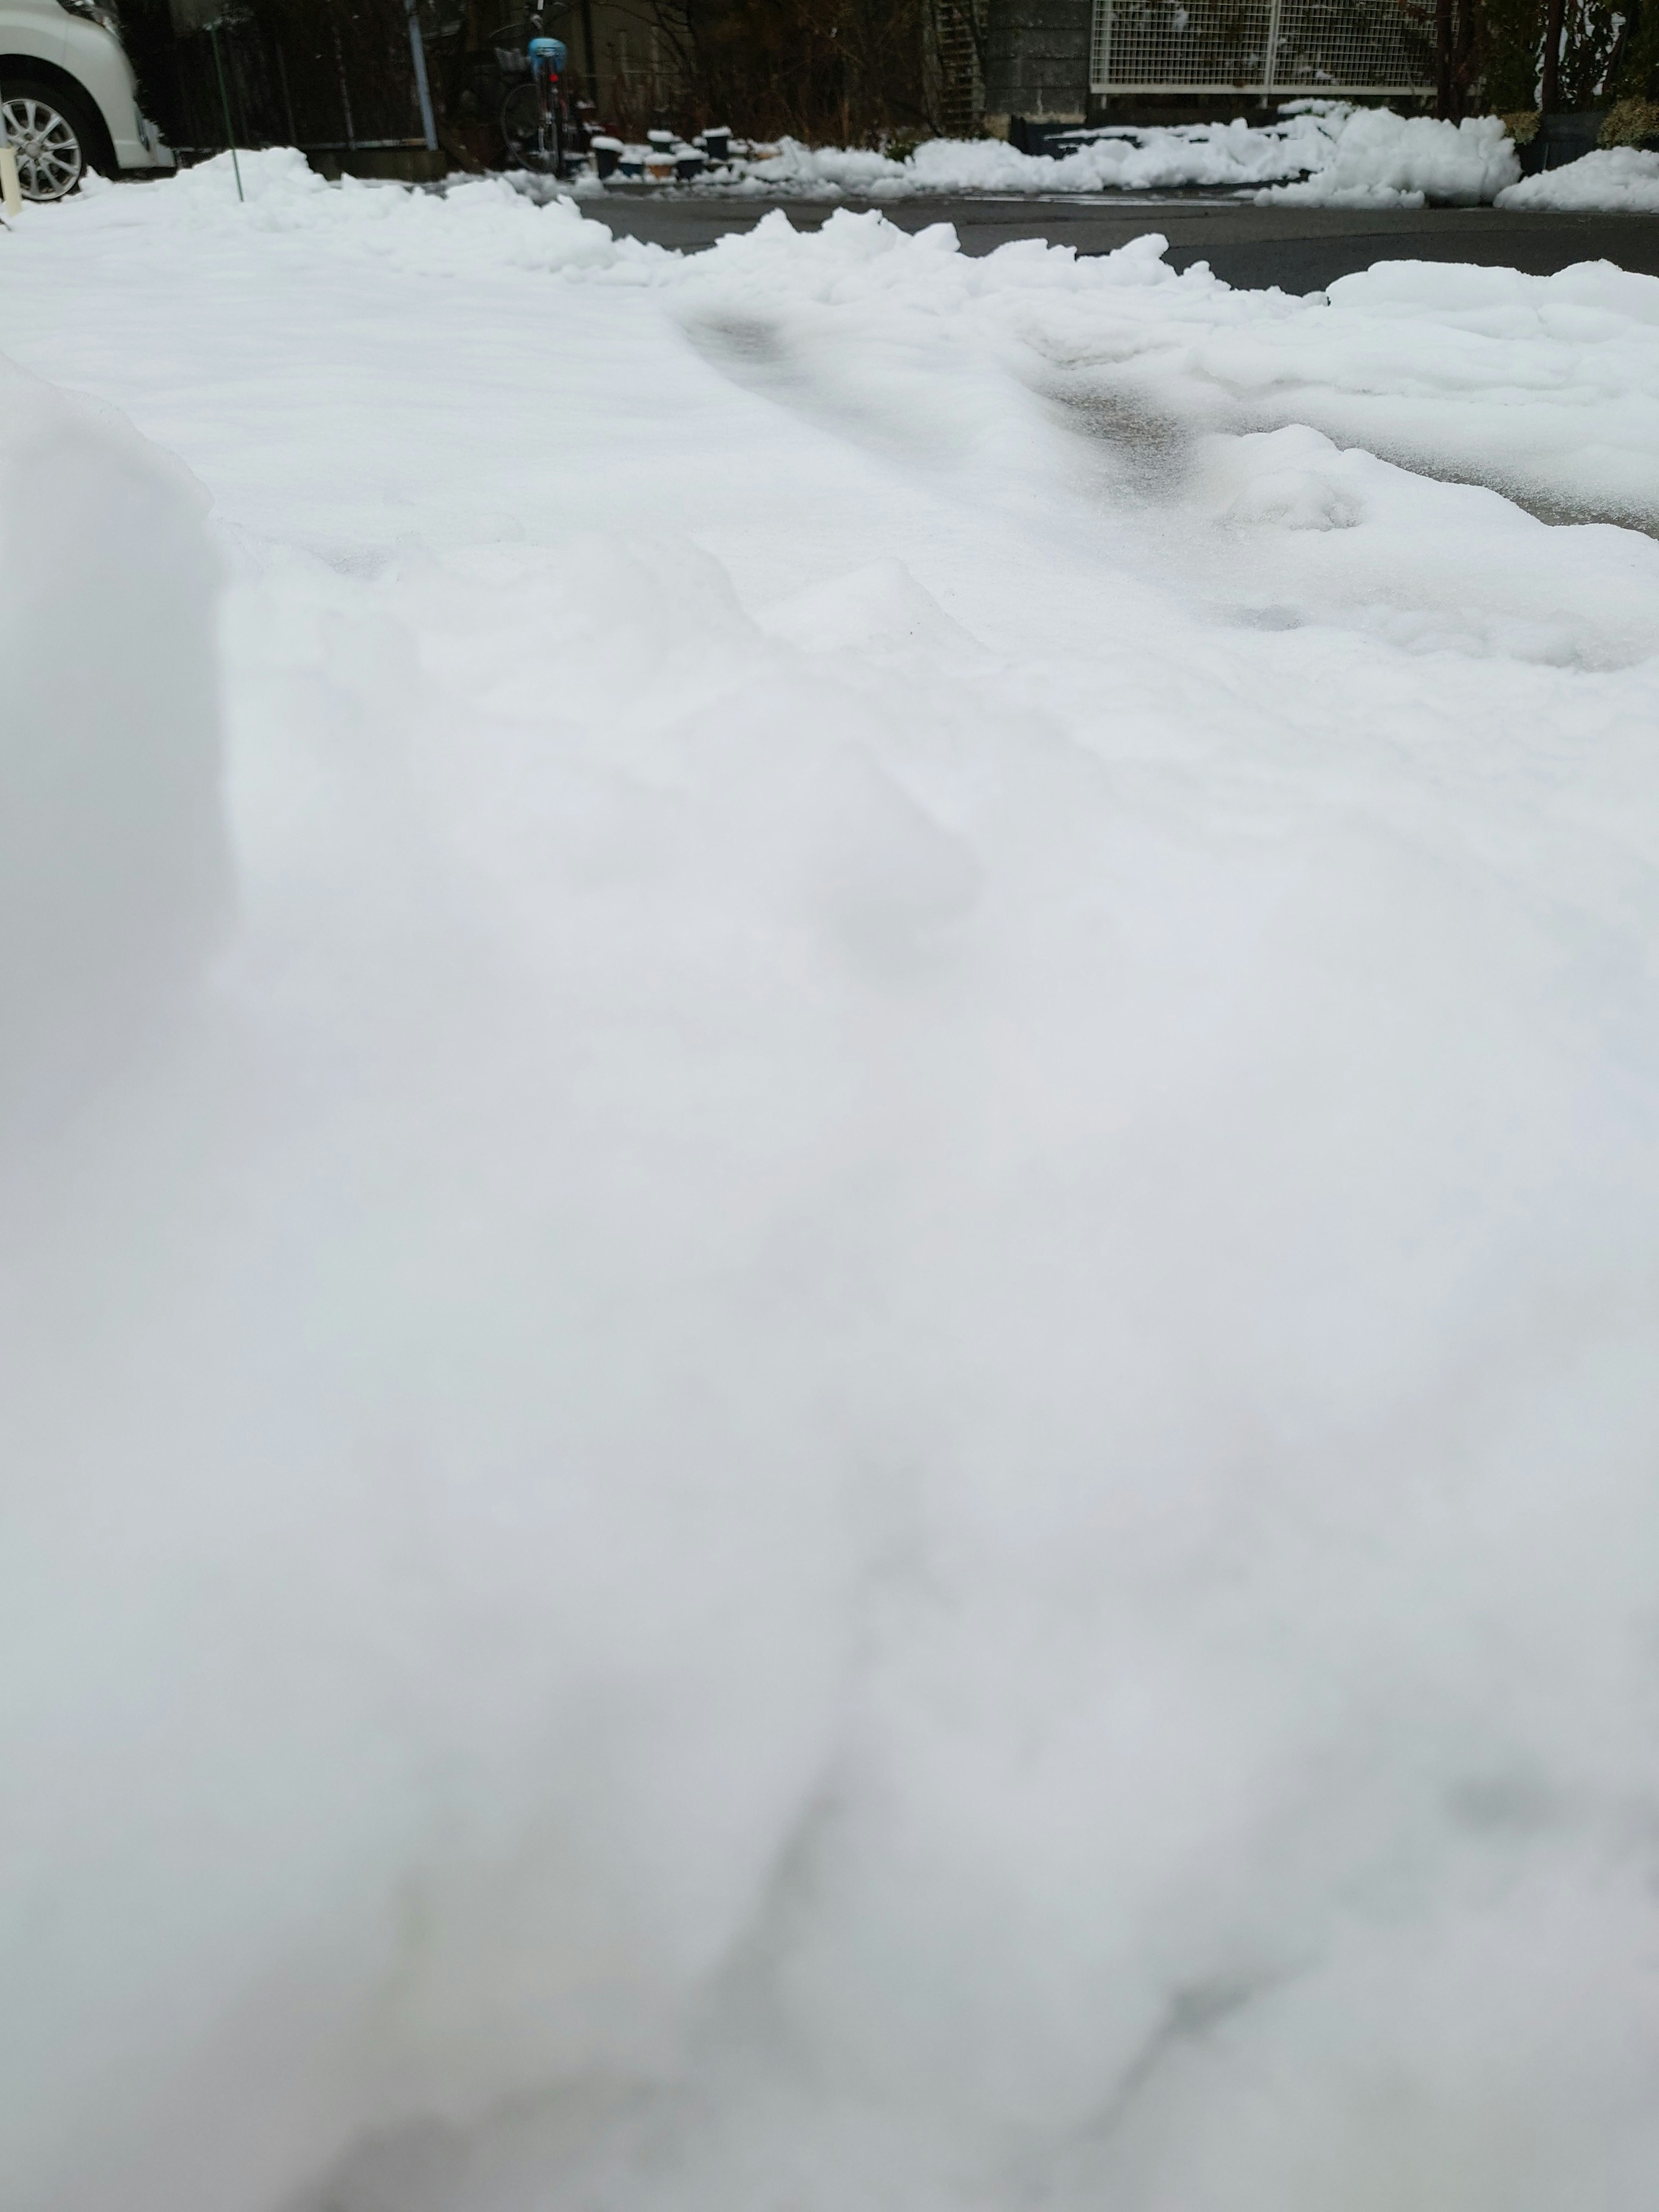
point(335, 77)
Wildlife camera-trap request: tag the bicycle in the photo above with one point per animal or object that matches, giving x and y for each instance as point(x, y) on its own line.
point(536, 119)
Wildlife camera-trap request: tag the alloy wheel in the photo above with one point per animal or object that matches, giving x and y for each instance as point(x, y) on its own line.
point(49, 162)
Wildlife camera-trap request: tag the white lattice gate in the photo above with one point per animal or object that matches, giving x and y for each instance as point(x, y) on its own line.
point(1307, 46)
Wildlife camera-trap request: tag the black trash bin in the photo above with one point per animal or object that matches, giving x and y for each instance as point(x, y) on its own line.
point(1563, 138)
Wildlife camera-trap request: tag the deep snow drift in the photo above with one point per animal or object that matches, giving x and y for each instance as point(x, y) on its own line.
point(850, 1402)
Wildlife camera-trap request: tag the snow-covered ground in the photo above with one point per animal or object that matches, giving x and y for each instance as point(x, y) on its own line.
point(828, 1373)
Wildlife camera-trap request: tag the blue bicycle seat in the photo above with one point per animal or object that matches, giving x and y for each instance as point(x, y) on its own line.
point(550, 51)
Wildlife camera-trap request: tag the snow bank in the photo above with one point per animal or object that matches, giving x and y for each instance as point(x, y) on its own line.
point(476, 227)
point(867, 1419)
point(1547, 387)
point(112, 869)
point(1620, 177)
point(1126, 160)
point(1361, 157)
point(1383, 160)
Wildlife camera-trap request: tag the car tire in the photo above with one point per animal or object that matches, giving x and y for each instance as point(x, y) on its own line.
point(54, 134)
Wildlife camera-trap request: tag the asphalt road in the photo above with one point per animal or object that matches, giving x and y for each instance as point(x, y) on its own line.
point(1300, 249)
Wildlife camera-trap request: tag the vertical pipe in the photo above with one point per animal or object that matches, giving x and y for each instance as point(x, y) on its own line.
point(1103, 40)
point(345, 95)
point(423, 90)
point(1442, 59)
point(592, 52)
point(288, 97)
point(1274, 12)
point(224, 101)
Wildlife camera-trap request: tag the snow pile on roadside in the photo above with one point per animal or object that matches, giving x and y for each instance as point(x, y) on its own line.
point(1383, 160)
point(1547, 387)
point(475, 227)
point(865, 1415)
point(1345, 157)
point(1614, 178)
point(1126, 160)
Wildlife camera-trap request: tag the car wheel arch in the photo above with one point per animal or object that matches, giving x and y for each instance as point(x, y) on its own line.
point(101, 152)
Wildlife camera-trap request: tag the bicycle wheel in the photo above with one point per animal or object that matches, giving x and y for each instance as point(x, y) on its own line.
point(526, 131)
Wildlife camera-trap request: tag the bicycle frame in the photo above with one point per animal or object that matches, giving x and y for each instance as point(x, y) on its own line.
point(547, 59)
point(538, 120)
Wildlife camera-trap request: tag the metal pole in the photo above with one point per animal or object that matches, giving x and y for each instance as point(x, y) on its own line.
point(345, 93)
point(1442, 59)
point(417, 48)
point(593, 56)
point(288, 97)
point(1274, 13)
point(1100, 59)
point(224, 101)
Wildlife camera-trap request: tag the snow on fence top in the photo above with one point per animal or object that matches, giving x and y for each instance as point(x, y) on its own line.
point(1264, 45)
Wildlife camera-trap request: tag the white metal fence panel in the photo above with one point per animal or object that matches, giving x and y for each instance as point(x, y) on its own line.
point(1308, 46)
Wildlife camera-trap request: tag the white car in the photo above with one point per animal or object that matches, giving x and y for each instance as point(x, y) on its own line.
point(68, 98)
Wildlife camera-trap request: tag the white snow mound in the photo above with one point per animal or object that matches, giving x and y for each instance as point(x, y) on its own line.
point(862, 1413)
point(1115, 159)
point(475, 227)
point(1383, 160)
point(1548, 386)
point(1315, 153)
point(1614, 178)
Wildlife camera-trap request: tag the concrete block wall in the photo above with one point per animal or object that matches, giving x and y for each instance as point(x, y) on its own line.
point(1036, 61)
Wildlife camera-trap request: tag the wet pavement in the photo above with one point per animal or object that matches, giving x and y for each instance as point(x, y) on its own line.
point(1300, 249)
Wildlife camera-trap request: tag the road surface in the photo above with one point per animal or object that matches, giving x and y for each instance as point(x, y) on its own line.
point(1302, 249)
